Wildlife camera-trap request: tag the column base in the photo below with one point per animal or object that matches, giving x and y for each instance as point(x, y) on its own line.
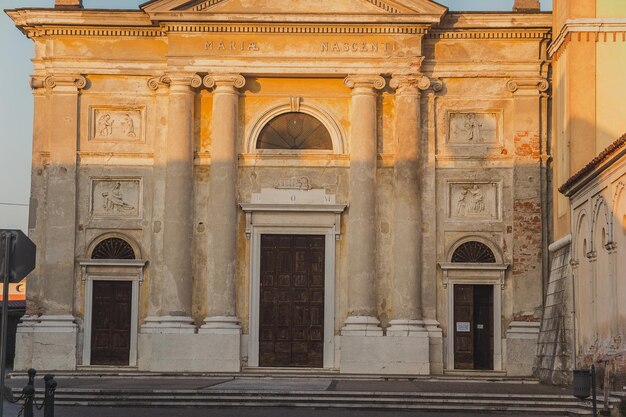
point(226, 325)
point(390, 355)
point(168, 324)
point(521, 347)
point(399, 328)
point(361, 326)
point(46, 343)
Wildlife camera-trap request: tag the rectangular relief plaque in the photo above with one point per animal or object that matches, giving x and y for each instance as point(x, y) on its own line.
point(117, 124)
point(116, 198)
point(473, 129)
point(474, 201)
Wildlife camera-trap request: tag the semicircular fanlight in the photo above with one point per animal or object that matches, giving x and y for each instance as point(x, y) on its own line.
point(473, 252)
point(295, 131)
point(113, 248)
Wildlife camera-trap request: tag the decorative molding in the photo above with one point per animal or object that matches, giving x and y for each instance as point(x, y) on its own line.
point(360, 29)
point(382, 5)
point(488, 34)
point(587, 30)
point(96, 32)
point(203, 6)
point(541, 84)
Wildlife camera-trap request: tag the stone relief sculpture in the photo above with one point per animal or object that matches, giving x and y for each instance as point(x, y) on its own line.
point(474, 201)
point(105, 125)
point(473, 128)
point(117, 124)
point(129, 126)
point(115, 198)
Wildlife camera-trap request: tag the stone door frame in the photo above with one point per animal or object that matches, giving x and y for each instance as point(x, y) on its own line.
point(475, 274)
point(99, 270)
point(296, 219)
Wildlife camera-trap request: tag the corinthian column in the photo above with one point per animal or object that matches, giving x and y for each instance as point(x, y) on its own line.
point(362, 213)
point(171, 288)
point(406, 294)
point(221, 301)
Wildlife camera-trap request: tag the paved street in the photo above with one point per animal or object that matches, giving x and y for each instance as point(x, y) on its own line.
point(12, 411)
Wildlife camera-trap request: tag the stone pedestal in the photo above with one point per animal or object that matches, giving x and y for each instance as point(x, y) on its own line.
point(521, 347)
point(46, 343)
point(389, 355)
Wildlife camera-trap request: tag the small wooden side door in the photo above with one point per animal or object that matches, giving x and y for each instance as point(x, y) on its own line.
point(110, 324)
point(463, 327)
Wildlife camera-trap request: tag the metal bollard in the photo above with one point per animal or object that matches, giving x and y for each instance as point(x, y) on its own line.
point(29, 399)
point(48, 404)
point(31, 376)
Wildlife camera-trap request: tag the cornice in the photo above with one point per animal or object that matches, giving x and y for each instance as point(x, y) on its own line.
point(413, 29)
point(600, 27)
point(488, 34)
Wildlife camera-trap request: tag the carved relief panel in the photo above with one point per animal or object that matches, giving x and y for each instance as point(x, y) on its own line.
point(117, 124)
point(472, 129)
point(471, 201)
point(116, 198)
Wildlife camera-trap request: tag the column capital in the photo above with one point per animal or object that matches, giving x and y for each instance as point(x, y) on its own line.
point(232, 81)
point(528, 85)
point(369, 82)
point(412, 83)
point(175, 80)
point(70, 82)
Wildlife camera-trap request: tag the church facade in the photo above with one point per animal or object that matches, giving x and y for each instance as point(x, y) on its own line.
point(351, 185)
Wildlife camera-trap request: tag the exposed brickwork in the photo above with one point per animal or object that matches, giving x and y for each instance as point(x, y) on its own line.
point(527, 229)
point(616, 363)
point(527, 145)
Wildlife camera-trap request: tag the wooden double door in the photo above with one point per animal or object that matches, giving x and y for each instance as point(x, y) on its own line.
point(473, 327)
point(291, 322)
point(111, 323)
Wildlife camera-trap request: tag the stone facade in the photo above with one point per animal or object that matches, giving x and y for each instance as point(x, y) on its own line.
point(437, 129)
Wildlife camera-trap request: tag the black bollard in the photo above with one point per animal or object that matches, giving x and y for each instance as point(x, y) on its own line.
point(29, 400)
point(48, 404)
point(31, 376)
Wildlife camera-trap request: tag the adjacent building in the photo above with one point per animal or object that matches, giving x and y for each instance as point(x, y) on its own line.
point(353, 185)
point(585, 314)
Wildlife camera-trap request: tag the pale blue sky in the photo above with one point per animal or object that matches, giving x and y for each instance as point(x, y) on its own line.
point(16, 99)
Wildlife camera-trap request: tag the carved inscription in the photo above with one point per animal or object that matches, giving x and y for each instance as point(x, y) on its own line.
point(301, 183)
point(117, 124)
point(226, 45)
point(473, 128)
point(115, 198)
point(472, 201)
point(345, 47)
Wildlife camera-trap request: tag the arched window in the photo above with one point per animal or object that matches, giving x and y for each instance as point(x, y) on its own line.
point(294, 131)
point(113, 248)
point(473, 252)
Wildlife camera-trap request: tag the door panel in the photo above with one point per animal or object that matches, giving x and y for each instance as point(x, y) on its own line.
point(483, 327)
point(110, 327)
point(291, 323)
point(463, 329)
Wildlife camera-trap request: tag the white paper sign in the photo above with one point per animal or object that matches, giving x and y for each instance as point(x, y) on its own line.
point(463, 327)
